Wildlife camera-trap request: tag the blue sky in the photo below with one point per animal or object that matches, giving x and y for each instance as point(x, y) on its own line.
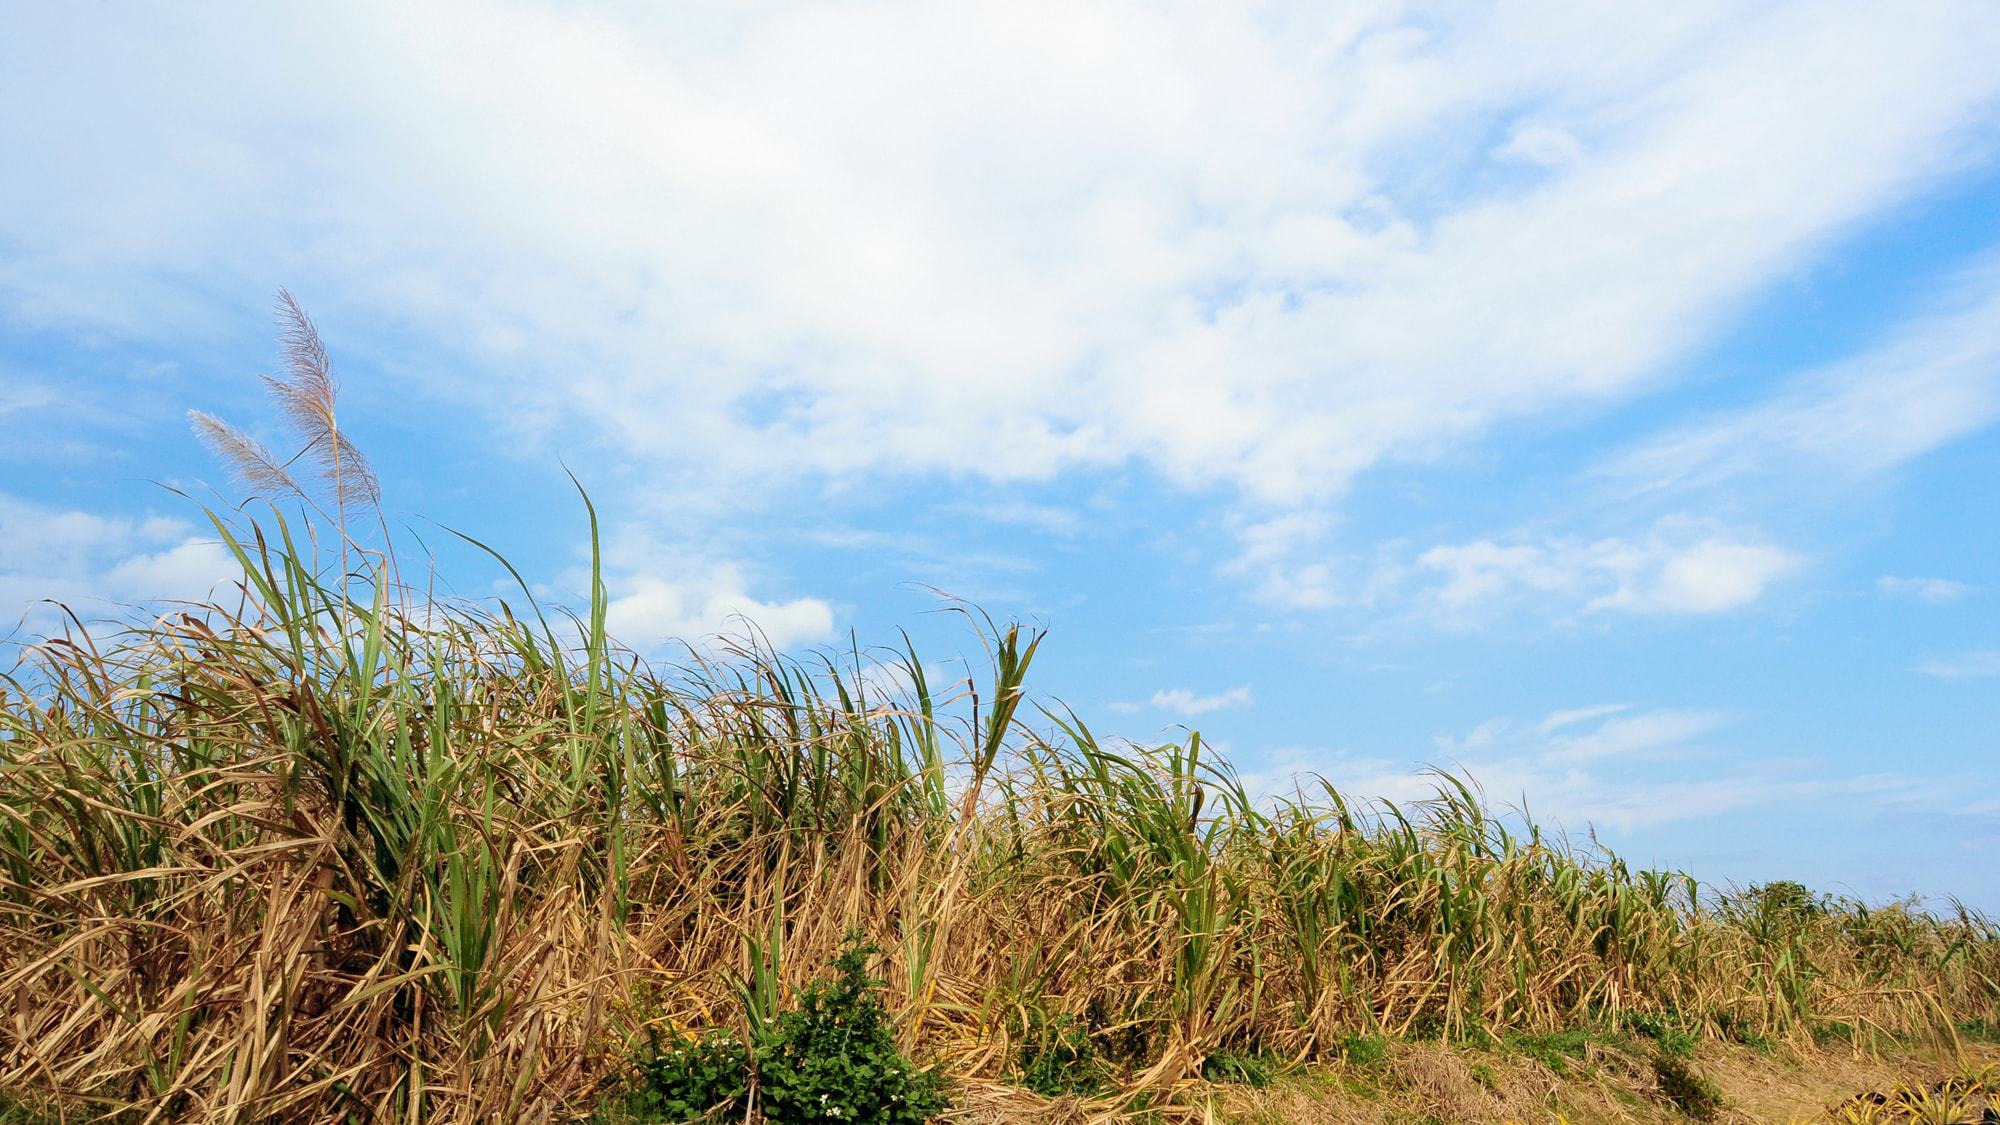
point(1597, 399)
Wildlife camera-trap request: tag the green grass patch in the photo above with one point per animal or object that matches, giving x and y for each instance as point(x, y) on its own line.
point(1256, 1069)
point(1557, 1050)
point(1060, 1058)
point(1673, 1038)
point(1688, 1089)
point(1363, 1050)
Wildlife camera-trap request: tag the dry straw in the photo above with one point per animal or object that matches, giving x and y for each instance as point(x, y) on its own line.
point(336, 851)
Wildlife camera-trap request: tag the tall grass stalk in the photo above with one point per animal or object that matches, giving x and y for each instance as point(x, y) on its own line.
point(331, 849)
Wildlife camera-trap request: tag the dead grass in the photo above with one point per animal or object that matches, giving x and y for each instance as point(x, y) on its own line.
point(337, 850)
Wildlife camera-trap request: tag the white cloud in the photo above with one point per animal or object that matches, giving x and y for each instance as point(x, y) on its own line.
point(1041, 517)
point(1969, 666)
point(190, 568)
point(1680, 567)
point(1709, 577)
point(19, 394)
point(1478, 738)
point(1540, 144)
point(1560, 719)
point(98, 566)
point(1923, 589)
point(1626, 736)
point(1306, 586)
point(1485, 571)
point(648, 610)
point(1610, 768)
point(659, 593)
point(1271, 559)
point(1935, 380)
point(1183, 701)
point(749, 243)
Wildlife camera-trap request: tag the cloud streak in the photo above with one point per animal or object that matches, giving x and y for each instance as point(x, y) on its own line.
point(1980, 665)
point(1935, 590)
point(1182, 701)
point(1606, 767)
point(1934, 380)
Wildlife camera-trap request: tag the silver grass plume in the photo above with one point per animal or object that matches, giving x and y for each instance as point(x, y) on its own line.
point(244, 455)
point(305, 392)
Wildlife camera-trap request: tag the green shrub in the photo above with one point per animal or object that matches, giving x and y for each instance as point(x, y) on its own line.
point(831, 1058)
point(689, 1079)
point(834, 1059)
point(1788, 898)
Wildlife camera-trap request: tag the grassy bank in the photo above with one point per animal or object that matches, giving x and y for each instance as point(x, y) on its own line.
point(334, 851)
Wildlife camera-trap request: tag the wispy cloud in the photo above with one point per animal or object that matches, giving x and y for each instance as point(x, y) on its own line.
point(1979, 665)
point(1560, 719)
point(1283, 559)
point(1936, 380)
point(1922, 589)
point(1630, 736)
point(1544, 145)
point(1183, 701)
point(1046, 518)
point(1605, 766)
point(20, 394)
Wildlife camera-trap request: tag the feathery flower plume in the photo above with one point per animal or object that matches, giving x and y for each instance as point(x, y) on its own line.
point(305, 393)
